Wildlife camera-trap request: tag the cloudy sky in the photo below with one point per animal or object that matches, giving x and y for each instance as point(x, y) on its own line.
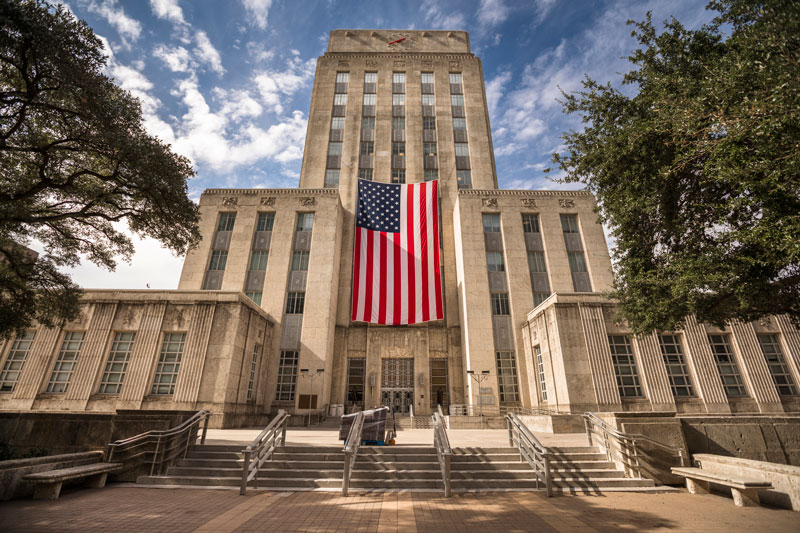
point(228, 83)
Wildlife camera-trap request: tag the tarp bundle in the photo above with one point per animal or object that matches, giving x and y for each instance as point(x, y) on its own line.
point(374, 424)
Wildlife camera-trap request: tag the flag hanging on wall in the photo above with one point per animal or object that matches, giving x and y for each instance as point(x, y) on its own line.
point(396, 254)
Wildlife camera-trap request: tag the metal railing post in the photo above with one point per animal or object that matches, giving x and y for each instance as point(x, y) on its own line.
point(155, 455)
point(510, 433)
point(346, 477)
point(548, 481)
point(205, 428)
point(283, 432)
point(245, 471)
point(588, 431)
point(447, 475)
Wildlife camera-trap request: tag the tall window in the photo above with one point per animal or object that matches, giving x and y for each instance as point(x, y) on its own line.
point(305, 221)
point(530, 223)
point(169, 363)
point(428, 123)
point(439, 383)
point(226, 221)
point(398, 148)
point(255, 296)
point(117, 363)
point(370, 77)
point(331, 178)
point(258, 260)
point(726, 365)
point(398, 123)
point(536, 262)
point(368, 123)
point(295, 302)
point(398, 175)
point(464, 179)
point(500, 304)
point(540, 365)
point(265, 221)
point(624, 366)
point(569, 223)
point(287, 376)
point(337, 123)
point(457, 100)
point(367, 147)
point(300, 260)
point(398, 99)
point(781, 375)
point(577, 262)
point(65, 362)
point(342, 77)
point(428, 100)
point(494, 262)
point(462, 149)
point(365, 174)
point(429, 149)
point(491, 223)
point(431, 175)
point(218, 260)
point(507, 385)
point(399, 78)
point(678, 371)
point(427, 78)
point(251, 383)
point(370, 99)
point(335, 148)
point(459, 123)
point(356, 369)
point(16, 360)
point(339, 99)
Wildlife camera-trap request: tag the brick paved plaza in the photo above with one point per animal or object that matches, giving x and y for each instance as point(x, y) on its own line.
point(122, 509)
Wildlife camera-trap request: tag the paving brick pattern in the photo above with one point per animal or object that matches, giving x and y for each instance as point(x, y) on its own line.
point(123, 509)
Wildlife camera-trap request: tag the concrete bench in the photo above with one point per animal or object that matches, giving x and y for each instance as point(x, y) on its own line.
point(48, 484)
point(744, 491)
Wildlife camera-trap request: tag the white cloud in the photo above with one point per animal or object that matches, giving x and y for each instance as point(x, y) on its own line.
point(493, 12)
point(176, 59)
point(259, 10)
point(217, 139)
point(543, 8)
point(129, 29)
point(167, 10)
point(207, 53)
point(494, 90)
point(436, 19)
point(274, 86)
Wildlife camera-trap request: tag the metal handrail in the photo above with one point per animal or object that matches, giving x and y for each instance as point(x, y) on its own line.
point(261, 449)
point(444, 418)
point(530, 450)
point(443, 451)
point(351, 449)
point(494, 410)
point(627, 451)
point(169, 444)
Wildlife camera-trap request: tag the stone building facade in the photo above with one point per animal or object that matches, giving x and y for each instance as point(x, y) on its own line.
point(524, 277)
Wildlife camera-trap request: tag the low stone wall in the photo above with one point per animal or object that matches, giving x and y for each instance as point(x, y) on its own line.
point(475, 422)
point(58, 433)
point(773, 438)
point(785, 479)
point(12, 472)
point(554, 423)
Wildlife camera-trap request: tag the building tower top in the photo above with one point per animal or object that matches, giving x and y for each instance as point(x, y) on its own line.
point(399, 41)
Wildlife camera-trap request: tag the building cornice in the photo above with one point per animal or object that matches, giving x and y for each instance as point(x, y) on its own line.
point(400, 55)
point(256, 192)
point(518, 192)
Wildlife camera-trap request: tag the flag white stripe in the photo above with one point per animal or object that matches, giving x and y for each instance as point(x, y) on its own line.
point(362, 274)
point(389, 278)
point(403, 257)
point(417, 256)
point(431, 262)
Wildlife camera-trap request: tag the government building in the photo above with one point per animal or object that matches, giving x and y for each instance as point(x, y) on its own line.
point(261, 319)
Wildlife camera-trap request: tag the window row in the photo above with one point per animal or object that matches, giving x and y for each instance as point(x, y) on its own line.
point(112, 379)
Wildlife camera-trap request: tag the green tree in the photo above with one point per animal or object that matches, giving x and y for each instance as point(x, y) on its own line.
point(698, 173)
point(74, 162)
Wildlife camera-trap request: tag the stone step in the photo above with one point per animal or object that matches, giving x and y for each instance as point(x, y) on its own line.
point(495, 483)
point(263, 483)
point(397, 484)
point(485, 451)
point(231, 456)
point(585, 474)
point(489, 458)
point(219, 447)
point(279, 456)
point(493, 466)
point(573, 449)
point(600, 483)
point(581, 465)
point(572, 457)
point(385, 458)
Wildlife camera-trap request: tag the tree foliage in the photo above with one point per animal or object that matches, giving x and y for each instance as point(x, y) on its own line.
point(698, 173)
point(75, 161)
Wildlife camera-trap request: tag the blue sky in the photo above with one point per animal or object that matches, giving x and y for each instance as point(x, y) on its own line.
point(228, 83)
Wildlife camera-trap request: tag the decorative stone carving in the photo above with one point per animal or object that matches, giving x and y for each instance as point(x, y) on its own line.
point(528, 202)
point(566, 202)
point(455, 64)
point(230, 201)
point(267, 200)
point(427, 64)
point(534, 334)
point(490, 202)
point(372, 64)
point(178, 319)
point(399, 63)
point(343, 63)
point(129, 317)
point(307, 200)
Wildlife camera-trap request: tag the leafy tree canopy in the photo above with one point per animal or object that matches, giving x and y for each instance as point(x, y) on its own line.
point(74, 161)
point(698, 173)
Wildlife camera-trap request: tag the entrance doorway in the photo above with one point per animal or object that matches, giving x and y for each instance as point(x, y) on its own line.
point(397, 384)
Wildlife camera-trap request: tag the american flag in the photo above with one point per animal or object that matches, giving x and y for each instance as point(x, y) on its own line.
point(396, 257)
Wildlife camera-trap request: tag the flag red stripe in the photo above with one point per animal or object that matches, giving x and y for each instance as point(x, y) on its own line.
point(423, 232)
point(382, 274)
point(410, 256)
point(356, 274)
point(368, 283)
point(398, 299)
point(437, 259)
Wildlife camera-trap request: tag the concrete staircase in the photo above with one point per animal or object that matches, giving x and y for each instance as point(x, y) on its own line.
point(418, 422)
point(398, 468)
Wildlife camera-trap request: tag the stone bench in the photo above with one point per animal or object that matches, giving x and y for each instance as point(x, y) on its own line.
point(48, 484)
point(744, 491)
